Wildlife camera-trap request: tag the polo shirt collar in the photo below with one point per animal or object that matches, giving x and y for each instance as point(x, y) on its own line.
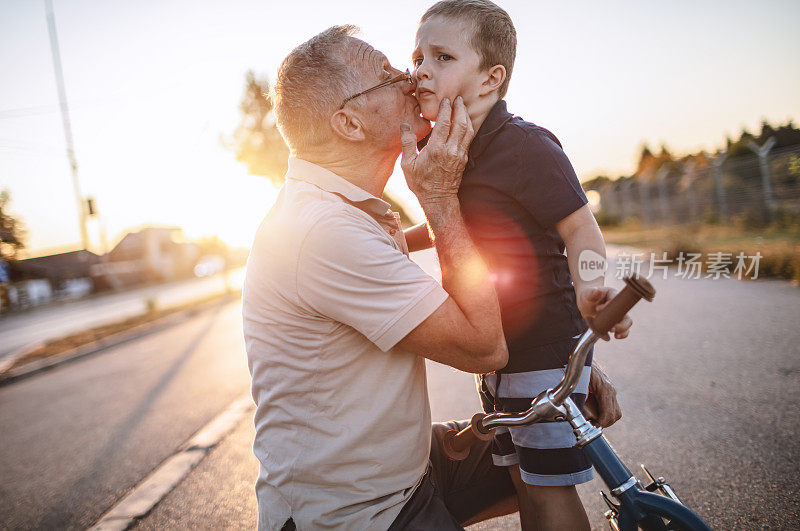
point(302, 170)
point(494, 121)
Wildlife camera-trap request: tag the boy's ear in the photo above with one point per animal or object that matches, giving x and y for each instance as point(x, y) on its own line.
point(347, 125)
point(494, 78)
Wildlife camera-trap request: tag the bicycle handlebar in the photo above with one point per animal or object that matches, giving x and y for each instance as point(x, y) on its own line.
point(636, 288)
point(456, 445)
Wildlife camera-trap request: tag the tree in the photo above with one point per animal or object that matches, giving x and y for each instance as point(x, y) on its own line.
point(12, 230)
point(212, 245)
point(257, 141)
point(786, 135)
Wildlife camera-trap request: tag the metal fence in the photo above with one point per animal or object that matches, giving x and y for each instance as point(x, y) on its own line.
point(756, 189)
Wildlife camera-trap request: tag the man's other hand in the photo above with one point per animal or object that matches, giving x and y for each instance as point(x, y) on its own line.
point(602, 408)
point(434, 173)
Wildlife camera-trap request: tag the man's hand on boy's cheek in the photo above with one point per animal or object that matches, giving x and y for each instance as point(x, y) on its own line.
point(592, 300)
point(602, 408)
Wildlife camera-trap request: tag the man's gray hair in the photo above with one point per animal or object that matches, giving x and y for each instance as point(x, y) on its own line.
point(312, 82)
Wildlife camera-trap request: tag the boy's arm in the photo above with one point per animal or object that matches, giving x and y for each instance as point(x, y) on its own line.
point(418, 238)
point(580, 233)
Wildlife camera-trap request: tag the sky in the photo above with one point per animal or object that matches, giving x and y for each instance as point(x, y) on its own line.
point(153, 87)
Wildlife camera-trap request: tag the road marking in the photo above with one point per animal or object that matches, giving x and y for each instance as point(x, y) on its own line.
point(141, 500)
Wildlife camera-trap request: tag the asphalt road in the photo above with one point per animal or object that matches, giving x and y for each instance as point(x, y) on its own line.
point(76, 439)
point(709, 382)
point(47, 322)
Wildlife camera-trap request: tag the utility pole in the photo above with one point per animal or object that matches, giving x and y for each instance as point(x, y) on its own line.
point(688, 176)
point(644, 198)
point(766, 178)
point(625, 193)
point(62, 98)
point(608, 200)
point(722, 199)
point(661, 179)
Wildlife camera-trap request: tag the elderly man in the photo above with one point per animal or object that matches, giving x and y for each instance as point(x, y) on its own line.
point(338, 320)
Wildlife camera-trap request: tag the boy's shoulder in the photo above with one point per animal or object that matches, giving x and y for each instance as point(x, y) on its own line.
point(519, 145)
point(529, 135)
point(537, 152)
point(504, 135)
point(526, 163)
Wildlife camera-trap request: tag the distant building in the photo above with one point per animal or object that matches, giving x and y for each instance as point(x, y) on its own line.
point(59, 276)
point(57, 268)
point(150, 254)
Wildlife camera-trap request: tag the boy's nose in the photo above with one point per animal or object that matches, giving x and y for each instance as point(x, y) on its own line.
point(421, 72)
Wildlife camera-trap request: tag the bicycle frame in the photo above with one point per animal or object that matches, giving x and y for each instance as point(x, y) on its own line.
point(638, 506)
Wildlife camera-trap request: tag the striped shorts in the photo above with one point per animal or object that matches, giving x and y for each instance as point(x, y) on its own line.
point(545, 452)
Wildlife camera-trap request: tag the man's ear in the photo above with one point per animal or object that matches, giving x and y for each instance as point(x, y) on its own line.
point(494, 78)
point(347, 125)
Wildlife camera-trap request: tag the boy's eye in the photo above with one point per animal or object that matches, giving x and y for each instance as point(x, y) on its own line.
point(444, 57)
point(417, 61)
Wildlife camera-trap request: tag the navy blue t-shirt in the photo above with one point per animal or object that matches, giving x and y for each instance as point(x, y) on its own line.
point(517, 185)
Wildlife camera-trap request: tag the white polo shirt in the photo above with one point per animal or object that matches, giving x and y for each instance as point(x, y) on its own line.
point(342, 419)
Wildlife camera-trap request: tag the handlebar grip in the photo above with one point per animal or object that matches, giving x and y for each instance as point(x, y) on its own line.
point(636, 288)
point(456, 445)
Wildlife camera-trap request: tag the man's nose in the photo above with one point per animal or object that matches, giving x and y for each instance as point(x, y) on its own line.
point(404, 85)
point(409, 88)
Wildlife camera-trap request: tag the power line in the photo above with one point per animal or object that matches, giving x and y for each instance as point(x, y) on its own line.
point(22, 112)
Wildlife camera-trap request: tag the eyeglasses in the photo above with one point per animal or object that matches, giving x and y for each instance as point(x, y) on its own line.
point(405, 76)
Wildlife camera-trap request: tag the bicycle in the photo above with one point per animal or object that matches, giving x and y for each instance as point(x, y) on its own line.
point(638, 506)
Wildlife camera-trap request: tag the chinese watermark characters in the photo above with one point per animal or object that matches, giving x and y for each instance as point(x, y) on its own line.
point(689, 265)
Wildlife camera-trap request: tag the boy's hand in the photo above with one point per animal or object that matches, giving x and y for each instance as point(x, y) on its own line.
point(434, 173)
point(602, 408)
point(592, 300)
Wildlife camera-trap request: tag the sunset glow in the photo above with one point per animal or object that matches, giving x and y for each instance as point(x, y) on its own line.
point(148, 114)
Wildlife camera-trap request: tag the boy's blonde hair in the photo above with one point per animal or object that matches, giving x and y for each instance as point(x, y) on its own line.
point(494, 37)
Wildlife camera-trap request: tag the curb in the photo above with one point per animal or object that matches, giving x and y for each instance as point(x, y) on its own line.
point(35, 367)
point(9, 360)
point(153, 488)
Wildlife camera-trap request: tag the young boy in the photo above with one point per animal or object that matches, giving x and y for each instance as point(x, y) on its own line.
point(524, 207)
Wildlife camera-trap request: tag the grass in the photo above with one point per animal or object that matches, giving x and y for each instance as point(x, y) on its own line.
point(779, 246)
